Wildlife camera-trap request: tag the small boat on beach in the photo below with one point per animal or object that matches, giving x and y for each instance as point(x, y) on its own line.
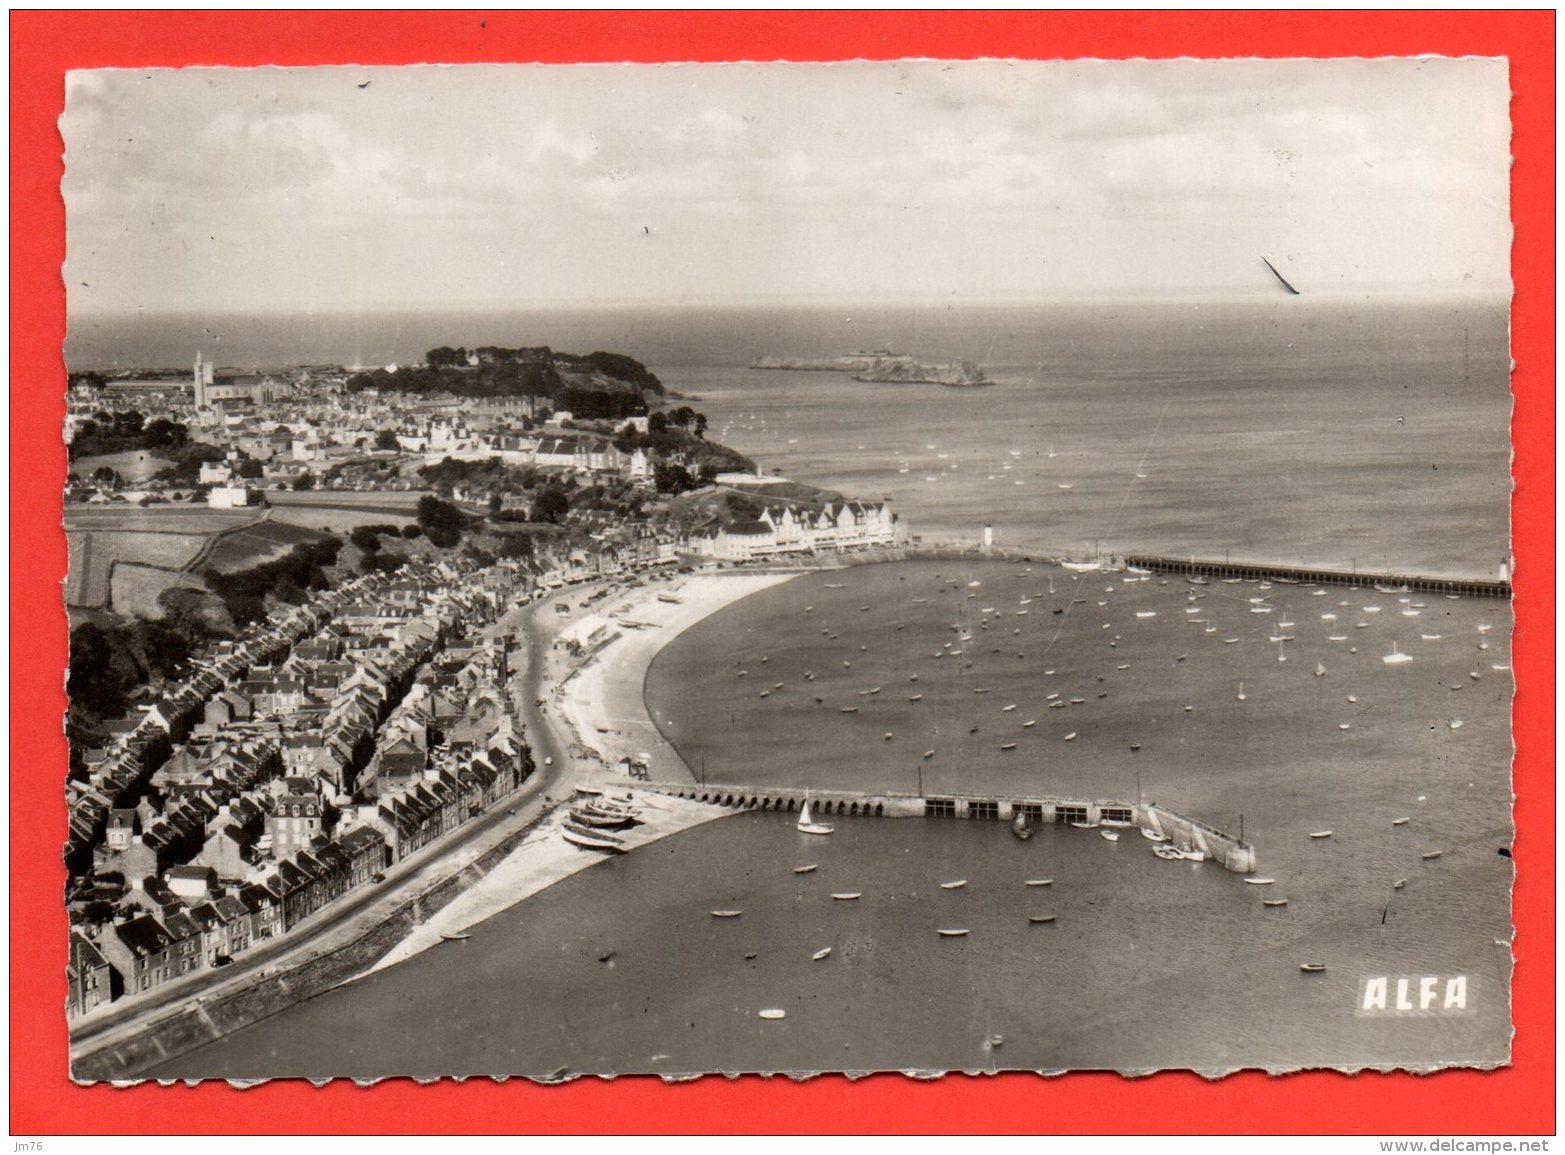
point(1320, 834)
point(1037, 918)
point(1009, 746)
point(1312, 968)
point(836, 585)
point(1110, 835)
point(773, 1013)
point(1274, 902)
point(952, 932)
point(1152, 836)
point(1399, 821)
point(1428, 854)
point(822, 953)
point(1260, 881)
point(1399, 884)
point(457, 936)
point(1040, 882)
point(727, 913)
point(588, 841)
point(848, 896)
point(957, 885)
point(804, 869)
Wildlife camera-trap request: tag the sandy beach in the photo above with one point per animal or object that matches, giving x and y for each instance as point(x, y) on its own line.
point(542, 859)
point(603, 702)
point(600, 702)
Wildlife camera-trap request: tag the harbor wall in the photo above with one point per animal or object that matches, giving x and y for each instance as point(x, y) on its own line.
point(1230, 852)
point(1187, 567)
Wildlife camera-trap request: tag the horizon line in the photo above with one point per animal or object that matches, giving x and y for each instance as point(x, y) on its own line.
point(800, 301)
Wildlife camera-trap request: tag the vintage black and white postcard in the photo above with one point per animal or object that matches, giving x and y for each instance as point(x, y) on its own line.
point(929, 566)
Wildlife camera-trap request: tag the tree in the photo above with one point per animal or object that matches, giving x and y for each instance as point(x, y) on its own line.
point(164, 432)
point(673, 479)
point(516, 545)
point(496, 504)
point(657, 423)
point(387, 439)
point(551, 506)
point(249, 468)
point(305, 480)
point(442, 522)
point(90, 684)
point(366, 537)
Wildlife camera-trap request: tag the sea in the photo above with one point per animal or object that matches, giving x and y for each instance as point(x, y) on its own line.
point(1362, 434)
point(1369, 432)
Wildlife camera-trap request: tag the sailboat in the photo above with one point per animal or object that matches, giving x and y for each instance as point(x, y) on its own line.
point(808, 825)
point(1395, 658)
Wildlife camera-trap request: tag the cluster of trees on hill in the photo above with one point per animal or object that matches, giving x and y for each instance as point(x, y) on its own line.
point(441, 522)
point(109, 662)
point(492, 371)
point(244, 592)
point(107, 432)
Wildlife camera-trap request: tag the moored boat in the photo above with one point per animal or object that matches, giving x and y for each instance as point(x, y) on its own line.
point(809, 826)
point(1041, 918)
point(952, 932)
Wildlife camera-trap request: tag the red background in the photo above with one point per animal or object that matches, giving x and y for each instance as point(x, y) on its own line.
point(1519, 1099)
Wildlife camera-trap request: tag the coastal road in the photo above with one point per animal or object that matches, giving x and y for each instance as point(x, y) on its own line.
point(535, 625)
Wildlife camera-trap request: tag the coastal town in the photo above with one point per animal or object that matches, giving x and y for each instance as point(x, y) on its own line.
point(256, 741)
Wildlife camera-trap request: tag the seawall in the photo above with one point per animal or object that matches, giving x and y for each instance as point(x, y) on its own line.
point(1232, 853)
point(203, 1020)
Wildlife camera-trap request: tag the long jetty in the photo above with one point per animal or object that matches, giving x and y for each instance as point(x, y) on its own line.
point(1232, 853)
point(1193, 567)
point(1187, 566)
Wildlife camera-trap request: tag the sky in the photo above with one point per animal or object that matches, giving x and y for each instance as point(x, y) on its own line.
point(522, 185)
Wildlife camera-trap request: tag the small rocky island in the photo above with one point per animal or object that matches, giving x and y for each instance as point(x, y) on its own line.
point(882, 366)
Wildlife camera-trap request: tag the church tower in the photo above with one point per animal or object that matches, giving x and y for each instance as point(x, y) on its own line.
point(203, 378)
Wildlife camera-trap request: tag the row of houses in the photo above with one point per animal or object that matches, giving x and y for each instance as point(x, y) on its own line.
point(256, 790)
point(786, 529)
point(158, 936)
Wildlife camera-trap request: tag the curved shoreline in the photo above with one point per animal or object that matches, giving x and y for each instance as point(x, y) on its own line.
point(603, 701)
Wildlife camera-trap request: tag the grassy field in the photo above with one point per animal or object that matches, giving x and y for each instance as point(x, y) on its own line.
point(155, 518)
point(334, 520)
point(122, 557)
point(134, 589)
point(254, 544)
point(95, 556)
point(134, 465)
point(405, 503)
